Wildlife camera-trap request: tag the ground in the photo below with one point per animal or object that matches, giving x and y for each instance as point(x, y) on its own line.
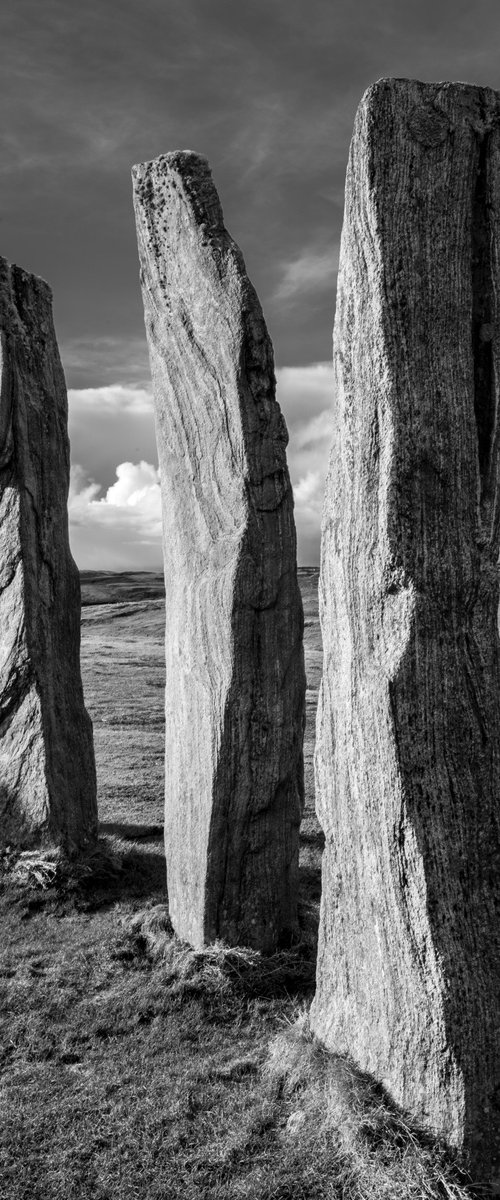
point(132, 1067)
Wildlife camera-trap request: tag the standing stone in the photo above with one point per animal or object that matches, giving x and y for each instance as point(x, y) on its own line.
point(234, 655)
point(47, 770)
point(408, 730)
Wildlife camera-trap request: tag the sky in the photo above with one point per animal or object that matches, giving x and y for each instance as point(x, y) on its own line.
point(267, 90)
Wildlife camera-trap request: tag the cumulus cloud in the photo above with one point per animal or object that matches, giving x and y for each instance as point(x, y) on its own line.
point(313, 270)
point(120, 529)
point(110, 425)
point(115, 511)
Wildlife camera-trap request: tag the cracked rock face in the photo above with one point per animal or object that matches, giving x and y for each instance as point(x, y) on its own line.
point(235, 670)
point(47, 770)
point(408, 729)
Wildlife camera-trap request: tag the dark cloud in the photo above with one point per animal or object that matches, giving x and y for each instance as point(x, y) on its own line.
point(266, 90)
point(91, 362)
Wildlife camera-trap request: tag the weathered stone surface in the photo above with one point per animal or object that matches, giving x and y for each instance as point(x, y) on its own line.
point(235, 672)
point(408, 730)
point(47, 770)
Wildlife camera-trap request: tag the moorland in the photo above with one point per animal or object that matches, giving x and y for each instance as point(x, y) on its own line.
point(134, 1068)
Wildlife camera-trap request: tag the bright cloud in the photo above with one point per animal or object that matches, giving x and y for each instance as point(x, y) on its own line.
point(117, 398)
point(304, 392)
point(110, 425)
point(115, 511)
point(305, 395)
point(136, 486)
point(120, 530)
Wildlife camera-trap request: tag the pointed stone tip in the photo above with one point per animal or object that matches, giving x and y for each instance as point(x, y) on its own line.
point(26, 279)
point(177, 160)
point(178, 173)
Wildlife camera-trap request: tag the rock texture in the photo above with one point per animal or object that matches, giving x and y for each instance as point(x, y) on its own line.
point(235, 672)
point(47, 771)
point(408, 729)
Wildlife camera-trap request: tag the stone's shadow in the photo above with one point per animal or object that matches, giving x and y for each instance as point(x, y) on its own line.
point(131, 833)
point(138, 873)
point(329, 1094)
point(310, 883)
point(107, 875)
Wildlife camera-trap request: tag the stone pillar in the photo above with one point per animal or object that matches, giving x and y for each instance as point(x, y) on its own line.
point(235, 681)
point(47, 769)
point(408, 728)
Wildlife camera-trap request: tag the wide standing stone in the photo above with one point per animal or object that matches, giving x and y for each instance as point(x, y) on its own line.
point(408, 730)
point(47, 769)
point(235, 679)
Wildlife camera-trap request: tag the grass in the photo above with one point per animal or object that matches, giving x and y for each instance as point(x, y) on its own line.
point(356, 1139)
point(135, 1067)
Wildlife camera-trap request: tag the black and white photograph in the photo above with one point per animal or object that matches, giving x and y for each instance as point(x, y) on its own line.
point(249, 600)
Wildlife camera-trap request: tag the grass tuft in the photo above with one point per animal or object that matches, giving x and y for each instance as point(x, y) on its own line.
point(36, 868)
point(222, 969)
point(134, 1066)
point(341, 1119)
point(48, 879)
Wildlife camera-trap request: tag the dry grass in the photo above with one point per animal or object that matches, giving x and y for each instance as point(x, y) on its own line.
point(51, 868)
point(134, 1068)
point(224, 969)
point(130, 1065)
point(340, 1118)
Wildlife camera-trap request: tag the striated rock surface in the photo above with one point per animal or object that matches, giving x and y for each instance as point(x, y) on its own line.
point(235, 671)
point(47, 770)
point(408, 729)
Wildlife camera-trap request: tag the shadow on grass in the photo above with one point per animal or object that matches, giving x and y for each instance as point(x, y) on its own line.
point(218, 974)
point(131, 872)
point(370, 1147)
point(116, 871)
point(130, 833)
point(113, 871)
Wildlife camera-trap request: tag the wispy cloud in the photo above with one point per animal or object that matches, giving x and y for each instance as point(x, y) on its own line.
point(57, 141)
point(313, 270)
point(97, 361)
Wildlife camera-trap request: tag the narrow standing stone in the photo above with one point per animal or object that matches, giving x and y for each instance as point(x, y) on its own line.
point(47, 769)
point(408, 730)
point(235, 669)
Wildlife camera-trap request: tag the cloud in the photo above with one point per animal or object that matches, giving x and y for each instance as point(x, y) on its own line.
point(137, 486)
point(305, 395)
point(110, 425)
point(313, 270)
point(308, 496)
point(115, 512)
point(95, 362)
point(304, 392)
point(117, 398)
point(122, 529)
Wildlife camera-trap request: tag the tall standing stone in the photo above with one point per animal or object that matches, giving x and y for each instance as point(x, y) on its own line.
point(235, 671)
point(408, 731)
point(47, 769)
